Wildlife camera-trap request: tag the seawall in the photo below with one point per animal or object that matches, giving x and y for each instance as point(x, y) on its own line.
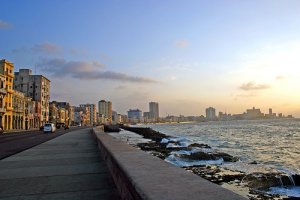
point(139, 175)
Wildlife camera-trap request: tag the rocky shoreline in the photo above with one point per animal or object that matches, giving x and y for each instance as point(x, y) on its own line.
point(202, 160)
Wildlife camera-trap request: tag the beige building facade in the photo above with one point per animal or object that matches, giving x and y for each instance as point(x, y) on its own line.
point(38, 88)
point(18, 119)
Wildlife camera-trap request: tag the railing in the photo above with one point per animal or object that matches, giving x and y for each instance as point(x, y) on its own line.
point(3, 91)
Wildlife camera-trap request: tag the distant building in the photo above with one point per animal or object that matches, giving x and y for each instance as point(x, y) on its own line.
point(115, 118)
point(92, 113)
point(134, 115)
point(147, 117)
point(105, 111)
point(38, 88)
point(154, 111)
point(253, 113)
point(210, 113)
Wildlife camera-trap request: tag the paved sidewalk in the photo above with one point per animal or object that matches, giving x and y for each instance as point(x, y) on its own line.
point(67, 167)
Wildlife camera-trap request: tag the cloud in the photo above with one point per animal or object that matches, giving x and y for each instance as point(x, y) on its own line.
point(46, 47)
point(246, 95)
point(280, 77)
point(121, 87)
point(42, 48)
point(87, 71)
point(252, 86)
point(182, 44)
point(4, 25)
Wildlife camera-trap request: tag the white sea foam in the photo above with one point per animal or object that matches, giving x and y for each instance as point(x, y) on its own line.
point(287, 191)
point(182, 162)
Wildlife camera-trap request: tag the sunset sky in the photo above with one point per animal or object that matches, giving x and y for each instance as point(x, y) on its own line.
point(186, 55)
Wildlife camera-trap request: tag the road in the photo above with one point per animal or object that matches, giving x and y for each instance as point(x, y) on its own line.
point(13, 143)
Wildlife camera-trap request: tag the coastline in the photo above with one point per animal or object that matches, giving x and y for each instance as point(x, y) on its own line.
point(213, 165)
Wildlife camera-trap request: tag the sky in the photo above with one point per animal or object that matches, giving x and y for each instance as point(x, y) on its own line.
point(186, 55)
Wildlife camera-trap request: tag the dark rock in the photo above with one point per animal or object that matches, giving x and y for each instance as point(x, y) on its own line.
point(199, 145)
point(262, 181)
point(226, 157)
point(111, 128)
point(198, 156)
point(296, 178)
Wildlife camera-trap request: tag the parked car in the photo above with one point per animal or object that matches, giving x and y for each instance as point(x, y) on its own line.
point(49, 128)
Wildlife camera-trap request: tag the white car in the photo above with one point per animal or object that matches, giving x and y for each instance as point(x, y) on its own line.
point(49, 128)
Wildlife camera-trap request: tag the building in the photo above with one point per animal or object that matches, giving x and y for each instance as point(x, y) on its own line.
point(53, 112)
point(18, 120)
point(147, 117)
point(134, 115)
point(30, 121)
point(210, 113)
point(115, 119)
point(253, 113)
point(2, 98)
point(82, 116)
point(38, 88)
point(154, 111)
point(105, 111)
point(7, 72)
point(92, 113)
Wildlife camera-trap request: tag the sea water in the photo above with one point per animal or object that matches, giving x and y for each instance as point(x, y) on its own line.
point(274, 145)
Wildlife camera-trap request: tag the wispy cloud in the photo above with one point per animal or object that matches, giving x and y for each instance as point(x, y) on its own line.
point(253, 86)
point(182, 44)
point(4, 25)
point(46, 47)
point(280, 77)
point(245, 95)
point(121, 87)
point(41, 48)
point(87, 71)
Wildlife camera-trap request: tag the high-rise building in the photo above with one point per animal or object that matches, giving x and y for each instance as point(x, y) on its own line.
point(7, 72)
point(210, 113)
point(154, 111)
point(38, 88)
point(105, 111)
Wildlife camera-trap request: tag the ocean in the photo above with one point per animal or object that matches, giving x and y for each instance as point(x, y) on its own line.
point(272, 144)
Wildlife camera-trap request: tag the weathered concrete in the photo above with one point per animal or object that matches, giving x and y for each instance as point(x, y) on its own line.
point(67, 167)
point(139, 175)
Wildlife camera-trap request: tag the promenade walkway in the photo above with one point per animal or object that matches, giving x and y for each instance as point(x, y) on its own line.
point(67, 167)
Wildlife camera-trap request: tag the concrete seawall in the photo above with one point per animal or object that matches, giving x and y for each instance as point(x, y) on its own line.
point(139, 175)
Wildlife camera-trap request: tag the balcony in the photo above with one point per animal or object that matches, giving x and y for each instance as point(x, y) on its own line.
point(2, 110)
point(9, 74)
point(3, 91)
point(9, 90)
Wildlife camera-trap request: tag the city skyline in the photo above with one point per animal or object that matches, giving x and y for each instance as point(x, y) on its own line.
point(187, 56)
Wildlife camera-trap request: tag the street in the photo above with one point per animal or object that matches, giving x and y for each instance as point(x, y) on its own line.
point(12, 143)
